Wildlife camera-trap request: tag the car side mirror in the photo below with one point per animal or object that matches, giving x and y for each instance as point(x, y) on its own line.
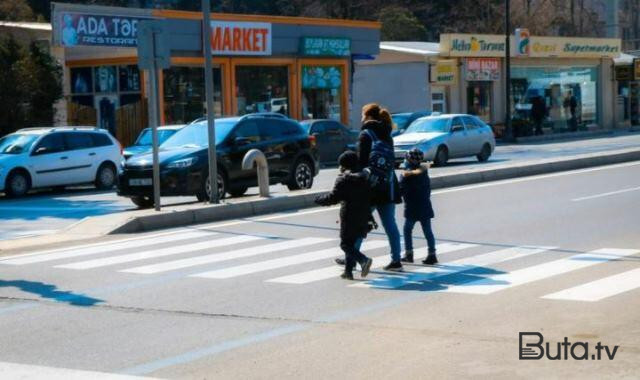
point(457, 128)
point(240, 141)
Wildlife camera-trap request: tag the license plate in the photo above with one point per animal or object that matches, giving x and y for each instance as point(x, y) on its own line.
point(140, 182)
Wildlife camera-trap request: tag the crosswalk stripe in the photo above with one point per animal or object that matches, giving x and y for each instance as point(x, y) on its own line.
point(600, 289)
point(229, 255)
point(418, 275)
point(284, 262)
point(334, 270)
point(494, 283)
point(169, 251)
point(104, 248)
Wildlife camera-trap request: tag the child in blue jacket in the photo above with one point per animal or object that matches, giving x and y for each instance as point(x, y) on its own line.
point(415, 187)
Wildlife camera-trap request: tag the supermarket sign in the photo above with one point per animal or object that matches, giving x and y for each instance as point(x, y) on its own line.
point(575, 47)
point(240, 38)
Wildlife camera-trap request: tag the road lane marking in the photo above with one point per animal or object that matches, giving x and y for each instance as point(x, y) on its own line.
point(162, 252)
point(600, 289)
point(606, 194)
point(335, 270)
point(494, 283)
point(229, 255)
point(102, 248)
point(418, 275)
point(262, 266)
point(27, 371)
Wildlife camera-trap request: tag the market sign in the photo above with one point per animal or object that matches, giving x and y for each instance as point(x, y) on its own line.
point(445, 72)
point(240, 38)
point(624, 73)
point(472, 45)
point(567, 47)
point(325, 46)
point(79, 29)
point(483, 69)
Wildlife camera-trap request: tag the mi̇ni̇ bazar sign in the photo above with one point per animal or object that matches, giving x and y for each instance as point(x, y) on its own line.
point(240, 38)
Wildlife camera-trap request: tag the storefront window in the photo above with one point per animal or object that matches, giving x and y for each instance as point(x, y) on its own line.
point(479, 99)
point(553, 99)
point(321, 92)
point(184, 94)
point(262, 89)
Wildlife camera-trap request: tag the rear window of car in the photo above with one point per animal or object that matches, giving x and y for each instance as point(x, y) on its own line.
point(100, 139)
point(78, 140)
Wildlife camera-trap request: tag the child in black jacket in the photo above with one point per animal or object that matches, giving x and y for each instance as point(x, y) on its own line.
point(352, 191)
point(415, 187)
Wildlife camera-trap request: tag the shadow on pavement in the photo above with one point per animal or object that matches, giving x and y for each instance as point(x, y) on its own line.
point(50, 291)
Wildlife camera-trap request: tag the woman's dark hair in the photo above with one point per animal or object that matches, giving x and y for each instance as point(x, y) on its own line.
point(373, 111)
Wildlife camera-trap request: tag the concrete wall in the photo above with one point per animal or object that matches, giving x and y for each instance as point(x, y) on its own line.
point(400, 87)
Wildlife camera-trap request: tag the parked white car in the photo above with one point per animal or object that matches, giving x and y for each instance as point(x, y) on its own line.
point(56, 157)
point(443, 137)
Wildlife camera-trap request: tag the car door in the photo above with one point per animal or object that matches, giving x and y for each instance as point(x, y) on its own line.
point(245, 136)
point(336, 140)
point(475, 135)
point(50, 162)
point(318, 130)
point(82, 156)
point(458, 139)
point(277, 146)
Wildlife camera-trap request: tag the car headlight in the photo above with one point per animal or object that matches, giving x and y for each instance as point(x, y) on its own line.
point(183, 163)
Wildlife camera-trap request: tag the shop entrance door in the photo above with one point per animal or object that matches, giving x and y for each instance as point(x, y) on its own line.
point(438, 100)
point(479, 95)
point(106, 112)
point(634, 102)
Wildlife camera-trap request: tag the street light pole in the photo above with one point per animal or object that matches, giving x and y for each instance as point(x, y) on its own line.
point(508, 133)
point(208, 80)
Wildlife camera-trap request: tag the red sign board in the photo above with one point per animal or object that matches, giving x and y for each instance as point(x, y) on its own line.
point(240, 38)
point(483, 69)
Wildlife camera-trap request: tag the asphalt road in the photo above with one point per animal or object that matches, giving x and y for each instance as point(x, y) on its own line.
point(47, 212)
point(556, 254)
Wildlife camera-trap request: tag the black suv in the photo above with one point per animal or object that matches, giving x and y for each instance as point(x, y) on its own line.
point(291, 153)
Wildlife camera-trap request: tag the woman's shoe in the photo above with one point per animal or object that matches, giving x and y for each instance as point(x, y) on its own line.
point(394, 266)
point(408, 257)
point(430, 260)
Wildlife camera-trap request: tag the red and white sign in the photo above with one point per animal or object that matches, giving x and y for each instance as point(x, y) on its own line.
point(483, 69)
point(240, 38)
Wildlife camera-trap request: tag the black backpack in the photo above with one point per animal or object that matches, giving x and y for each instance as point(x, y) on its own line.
point(381, 163)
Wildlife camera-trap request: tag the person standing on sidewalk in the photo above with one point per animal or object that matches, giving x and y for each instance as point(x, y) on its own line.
point(375, 146)
point(352, 191)
point(415, 187)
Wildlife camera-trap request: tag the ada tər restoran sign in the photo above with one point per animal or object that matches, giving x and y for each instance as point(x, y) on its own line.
point(240, 38)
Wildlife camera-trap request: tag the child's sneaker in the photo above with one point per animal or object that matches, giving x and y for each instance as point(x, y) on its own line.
point(408, 257)
point(365, 267)
point(347, 276)
point(430, 260)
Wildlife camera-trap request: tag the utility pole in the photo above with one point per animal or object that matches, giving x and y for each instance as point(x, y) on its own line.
point(508, 131)
point(208, 80)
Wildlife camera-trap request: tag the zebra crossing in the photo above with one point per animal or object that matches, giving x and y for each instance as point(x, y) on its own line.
point(245, 255)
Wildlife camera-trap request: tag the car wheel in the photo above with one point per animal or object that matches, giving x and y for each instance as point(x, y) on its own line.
point(301, 175)
point(237, 191)
point(442, 156)
point(485, 153)
point(106, 177)
point(205, 194)
point(18, 184)
point(142, 201)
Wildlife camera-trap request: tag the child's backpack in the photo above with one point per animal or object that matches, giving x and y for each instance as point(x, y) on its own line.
point(381, 162)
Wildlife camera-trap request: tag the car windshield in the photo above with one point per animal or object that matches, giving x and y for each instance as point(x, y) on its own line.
point(16, 144)
point(428, 125)
point(146, 136)
point(400, 120)
point(195, 135)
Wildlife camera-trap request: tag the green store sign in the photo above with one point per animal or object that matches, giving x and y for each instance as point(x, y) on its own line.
point(325, 47)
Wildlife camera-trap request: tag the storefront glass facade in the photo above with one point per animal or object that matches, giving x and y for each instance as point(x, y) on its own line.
point(321, 92)
point(554, 99)
point(479, 95)
point(184, 94)
point(262, 89)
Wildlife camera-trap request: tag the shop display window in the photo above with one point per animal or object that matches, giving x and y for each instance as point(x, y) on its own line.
point(479, 99)
point(81, 80)
point(321, 92)
point(105, 79)
point(184, 94)
point(554, 99)
point(129, 77)
point(262, 89)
